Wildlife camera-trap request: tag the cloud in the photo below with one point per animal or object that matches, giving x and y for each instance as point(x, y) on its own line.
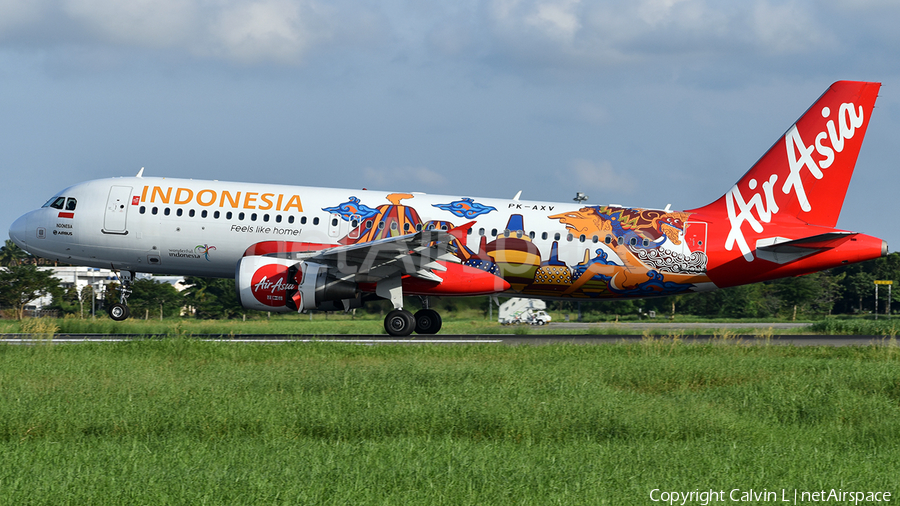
point(623, 31)
point(585, 175)
point(244, 31)
point(517, 34)
point(404, 178)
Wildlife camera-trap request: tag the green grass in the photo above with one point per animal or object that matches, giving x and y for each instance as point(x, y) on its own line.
point(333, 324)
point(186, 422)
point(864, 327)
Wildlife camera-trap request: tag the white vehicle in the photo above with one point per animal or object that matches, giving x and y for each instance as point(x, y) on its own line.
point(522, 310)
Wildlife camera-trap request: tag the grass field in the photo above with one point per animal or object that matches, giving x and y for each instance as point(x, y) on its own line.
point(332, 324)
point(185, 422)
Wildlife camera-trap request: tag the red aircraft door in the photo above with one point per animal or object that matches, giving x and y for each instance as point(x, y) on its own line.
point(695, 235)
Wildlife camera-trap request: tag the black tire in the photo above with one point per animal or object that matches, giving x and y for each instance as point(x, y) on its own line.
point(399, 323)
point(118, 312)
point(428, 321)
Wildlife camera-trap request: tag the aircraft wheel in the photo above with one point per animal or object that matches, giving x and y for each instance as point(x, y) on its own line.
point(428, 321)
point(399, 323)
point(118, 312)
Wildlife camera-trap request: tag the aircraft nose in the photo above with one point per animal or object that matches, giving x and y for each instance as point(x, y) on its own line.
point(18, 231)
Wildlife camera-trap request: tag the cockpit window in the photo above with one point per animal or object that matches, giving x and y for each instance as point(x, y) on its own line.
point(56, 202)
point(70, 204)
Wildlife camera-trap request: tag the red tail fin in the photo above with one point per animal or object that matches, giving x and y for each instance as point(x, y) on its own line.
point(805, 175)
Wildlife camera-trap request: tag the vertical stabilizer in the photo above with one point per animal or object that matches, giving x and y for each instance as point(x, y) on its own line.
point(802, 178)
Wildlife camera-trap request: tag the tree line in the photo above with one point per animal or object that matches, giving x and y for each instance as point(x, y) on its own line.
point(844, 290)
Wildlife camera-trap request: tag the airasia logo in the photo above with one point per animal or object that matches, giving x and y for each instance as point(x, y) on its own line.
point(269, 284)
point(761, 205)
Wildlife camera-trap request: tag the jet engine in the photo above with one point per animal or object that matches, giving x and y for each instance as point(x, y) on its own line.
point(283, 285)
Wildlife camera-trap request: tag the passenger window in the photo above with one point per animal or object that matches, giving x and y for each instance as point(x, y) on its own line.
point(265, 217)
point(290, 219)
point(167, 211)
point(570, 237)
point(241, 216)
point(303, 220)
point(203, 213)
point(595, 239)
point(480, 231)
point(556, 236)
point(493, 232)
point(252, 216)
point(154, 210)
point(228, 215)
point(191, 213)
point(582, 238)
point(608, 239)
point(531, 235)
point(334, 222)
point(179, 211)
point(143, 209)
point(216, 215)
point(394, 225)
point(315, 221)
point(544, 236)
point(70, 204)
point(278, 218)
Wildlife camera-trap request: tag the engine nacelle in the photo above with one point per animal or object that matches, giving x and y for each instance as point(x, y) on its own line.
point(282, 285)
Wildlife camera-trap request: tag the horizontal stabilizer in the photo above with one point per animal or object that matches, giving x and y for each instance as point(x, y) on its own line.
point(781, 250)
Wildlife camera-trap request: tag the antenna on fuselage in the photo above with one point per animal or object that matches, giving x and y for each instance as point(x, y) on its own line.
point(518, 195)
point(140, 173)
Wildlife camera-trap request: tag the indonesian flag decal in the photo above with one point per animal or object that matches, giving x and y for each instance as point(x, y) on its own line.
point(66, 214)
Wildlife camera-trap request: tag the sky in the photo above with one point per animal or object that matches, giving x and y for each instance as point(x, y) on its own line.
point(636, 102)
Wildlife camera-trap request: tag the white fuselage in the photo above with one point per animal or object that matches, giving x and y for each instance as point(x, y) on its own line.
point(195, 227)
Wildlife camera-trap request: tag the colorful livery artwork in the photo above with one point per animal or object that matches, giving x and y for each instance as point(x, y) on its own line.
point(294, 248)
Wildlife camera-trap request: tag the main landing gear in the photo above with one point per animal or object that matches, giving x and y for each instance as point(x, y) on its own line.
point(119, 311)
point(401, 323)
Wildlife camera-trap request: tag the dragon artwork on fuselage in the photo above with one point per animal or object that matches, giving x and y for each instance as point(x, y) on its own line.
point(628, 252)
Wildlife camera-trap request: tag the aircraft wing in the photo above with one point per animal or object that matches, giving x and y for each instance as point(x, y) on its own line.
point(413, 254)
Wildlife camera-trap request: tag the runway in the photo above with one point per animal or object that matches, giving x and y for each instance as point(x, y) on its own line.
point(483, 339)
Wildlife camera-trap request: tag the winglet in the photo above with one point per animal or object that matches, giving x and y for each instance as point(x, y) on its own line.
point(461, 231)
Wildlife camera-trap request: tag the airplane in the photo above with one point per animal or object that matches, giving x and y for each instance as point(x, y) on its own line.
point(297, 249)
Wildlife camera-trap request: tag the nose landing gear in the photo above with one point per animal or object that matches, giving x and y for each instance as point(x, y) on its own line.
point(119, 311)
